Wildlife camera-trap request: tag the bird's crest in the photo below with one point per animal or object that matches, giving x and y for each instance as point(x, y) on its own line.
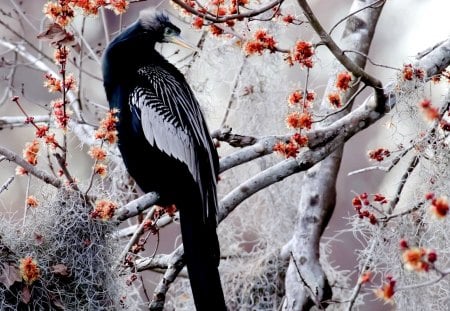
point(152, 19)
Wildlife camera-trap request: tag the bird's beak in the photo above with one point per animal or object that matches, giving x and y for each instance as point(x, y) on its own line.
point(181, 42)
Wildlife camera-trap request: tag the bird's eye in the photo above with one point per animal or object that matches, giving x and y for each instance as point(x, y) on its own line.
point(169, 31)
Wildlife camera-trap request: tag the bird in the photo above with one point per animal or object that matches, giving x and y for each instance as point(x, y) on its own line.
point(165, 143)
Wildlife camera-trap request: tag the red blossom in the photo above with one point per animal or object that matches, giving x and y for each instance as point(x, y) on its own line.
point(52, 84)
point(432, 256)
point(429, 196)
point(416, 259)
point(439, 207)
point(51, 140)
point(60, 55)
point(403, 244)
point(101, 169)
point(334, 99)
point(289, 150)
point(107, 130)
point(295, 98)
point(430, 112)
point(97, 153)
point(378, 197)
point(299, 120)
point(409, 73)
point(379, 154)
point(343, 81)
point(299, 139)
point(302, 54)
point(29, 270)
point(104, 209)
point(288, 19)
point(119, 6)
point(41, 131)
point(197, 23)
point(31, 201)
point(30, 153)
point(261, 41)
point(59, 12)
point(356, 202)
point(60, 114)
point(387, 291)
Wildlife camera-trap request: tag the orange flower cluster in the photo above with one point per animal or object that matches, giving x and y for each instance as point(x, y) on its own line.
point(296, 99)
point(343, 81)
point(30, 153)
point(31, 201)
point(52, 84)
point(430, 112)
point(290, 149)
point(107, 130)
point(418, 259)
point(101, 170)
point(335, 99)
point(104, 209)
point(299, 120)
point(97, 153)
point(379, 154)
point(409, 73)
point(29, 270)
point(439, 206)
point(62, 11)
point(198, 22)
point(60, 114)
point(302, 54)
point(387, 291)
point(60, 55)
point(261, 41)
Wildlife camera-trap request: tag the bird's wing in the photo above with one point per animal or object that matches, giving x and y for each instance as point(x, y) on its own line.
point(172, 121)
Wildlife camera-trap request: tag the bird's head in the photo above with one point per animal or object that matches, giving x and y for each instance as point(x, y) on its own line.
point(158, 25)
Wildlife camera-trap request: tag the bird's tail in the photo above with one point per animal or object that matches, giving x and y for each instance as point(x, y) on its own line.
point(202, 256)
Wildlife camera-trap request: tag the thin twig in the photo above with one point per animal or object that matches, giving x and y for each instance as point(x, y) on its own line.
point(353, 13)
point(394, 162)
point(6, 184)
point(370, 60)
point(343, 108)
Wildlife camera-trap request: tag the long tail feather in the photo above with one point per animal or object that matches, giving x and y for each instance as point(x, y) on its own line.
point(202, 257)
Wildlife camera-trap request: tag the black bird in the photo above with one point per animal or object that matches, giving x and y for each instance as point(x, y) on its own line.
point(165, 143)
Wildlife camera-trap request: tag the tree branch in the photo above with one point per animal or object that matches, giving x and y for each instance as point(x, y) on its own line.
point(42, 175)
